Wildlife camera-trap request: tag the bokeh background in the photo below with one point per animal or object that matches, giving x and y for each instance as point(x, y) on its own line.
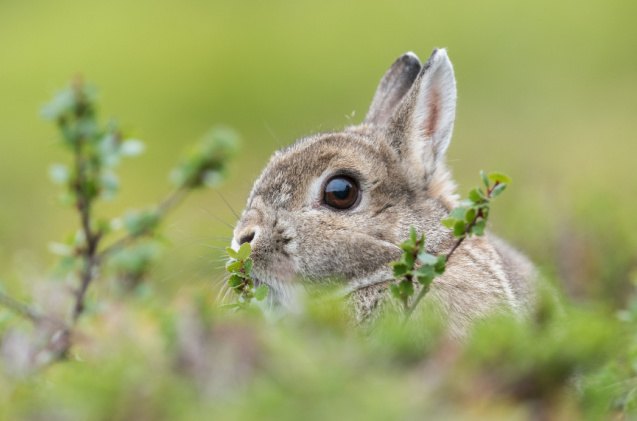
point(547, 94)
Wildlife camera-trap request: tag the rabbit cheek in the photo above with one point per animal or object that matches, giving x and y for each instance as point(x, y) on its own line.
point(331, 250)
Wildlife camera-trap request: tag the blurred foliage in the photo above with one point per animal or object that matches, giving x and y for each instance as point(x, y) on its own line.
point(547, 92)
point(144, 358)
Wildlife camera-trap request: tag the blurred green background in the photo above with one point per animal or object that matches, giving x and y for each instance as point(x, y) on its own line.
point(547, 94)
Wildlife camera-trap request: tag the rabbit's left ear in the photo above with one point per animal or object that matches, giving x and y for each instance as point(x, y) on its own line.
point(421, 127)
point(392, 88)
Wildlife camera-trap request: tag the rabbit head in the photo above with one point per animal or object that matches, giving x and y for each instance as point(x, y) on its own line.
point(337, 205)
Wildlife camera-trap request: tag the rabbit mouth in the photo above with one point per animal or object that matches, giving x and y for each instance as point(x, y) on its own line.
point(283, 297)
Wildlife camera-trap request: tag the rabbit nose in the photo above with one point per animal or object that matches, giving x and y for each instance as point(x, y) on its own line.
point(247, 237)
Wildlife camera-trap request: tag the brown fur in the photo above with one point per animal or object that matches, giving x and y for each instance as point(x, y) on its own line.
point(397, 157)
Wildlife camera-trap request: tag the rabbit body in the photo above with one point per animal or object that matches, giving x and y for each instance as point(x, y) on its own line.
point(394, 163)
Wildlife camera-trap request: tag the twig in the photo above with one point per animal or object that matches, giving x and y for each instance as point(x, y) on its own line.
point(20, 308)
point(92, 239)
point(170, 202)
point(425, 289)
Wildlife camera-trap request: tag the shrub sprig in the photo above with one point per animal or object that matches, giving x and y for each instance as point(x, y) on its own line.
point(239, 266)
point(417, 267)
point(96, 150)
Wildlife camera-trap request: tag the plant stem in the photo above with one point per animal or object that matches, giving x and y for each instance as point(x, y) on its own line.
point(20, 308)
point(92, 239)
point(423, 291)
point(167, 204)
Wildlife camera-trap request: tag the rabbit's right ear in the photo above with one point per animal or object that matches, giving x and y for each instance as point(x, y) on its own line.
point(392, 88)
point(422, 126)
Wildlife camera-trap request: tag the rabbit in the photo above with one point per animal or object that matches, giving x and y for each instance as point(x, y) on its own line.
point(337, 206)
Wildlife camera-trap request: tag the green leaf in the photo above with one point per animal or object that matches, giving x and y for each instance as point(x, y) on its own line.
point(232, 253)
point(233, 265)
point(485, 179)
point(441, 265)
point(61, 249)
point(206, 163)
point(413, 235)
point(59, 173)
point(407, 246)
point(459, 228)
point(425, 280)
point(141, 222)
point(247, 266)
point(406, 288)
point(235, 281)
point(132, 147)
point(470, 216)
point(478, 228)
point(459, 213)
point(212, 178)
point(498, 189)
point(110, 185)
point(476, 195)
point(498, 177)
point(449, 222)
point(243, 275)
point(261, 292)
point(427, 259)
point(400, 269)
point(425, 271)
point(409, 260)
point(244, 251)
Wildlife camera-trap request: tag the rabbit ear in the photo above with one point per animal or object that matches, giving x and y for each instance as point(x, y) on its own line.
point(392, 87)
point(421, 127)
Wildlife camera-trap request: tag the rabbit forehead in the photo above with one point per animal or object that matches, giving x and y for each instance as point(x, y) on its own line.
point(293, 171)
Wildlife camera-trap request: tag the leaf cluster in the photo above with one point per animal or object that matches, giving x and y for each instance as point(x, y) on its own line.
point(97, 149)
point(470, 218)
point(416, 266)
point(239, 266)
point(90, 254)
point(205, 164)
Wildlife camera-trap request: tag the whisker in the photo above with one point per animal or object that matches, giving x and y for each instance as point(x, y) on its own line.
point(271, 133)
point(234, 212)
point(208, 246)
point(217, 218)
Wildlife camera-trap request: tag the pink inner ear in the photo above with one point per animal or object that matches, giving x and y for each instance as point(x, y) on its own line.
point(432, 116)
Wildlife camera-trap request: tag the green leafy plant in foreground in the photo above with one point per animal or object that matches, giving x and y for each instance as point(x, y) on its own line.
point(96, 150)
point(417, 267)
point(239, 266)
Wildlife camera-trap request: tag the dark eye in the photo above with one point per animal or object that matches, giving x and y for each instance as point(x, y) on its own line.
point(341, 192)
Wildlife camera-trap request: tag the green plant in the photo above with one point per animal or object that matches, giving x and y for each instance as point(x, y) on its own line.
point(239, 266)
point(416, 266)
point(126, 246)
point(147, 358)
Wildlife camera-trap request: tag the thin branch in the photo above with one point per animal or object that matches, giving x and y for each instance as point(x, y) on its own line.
point(92, 239)
point(424, 290)
point(410, 309)
point(20, 308)
point(170, 202)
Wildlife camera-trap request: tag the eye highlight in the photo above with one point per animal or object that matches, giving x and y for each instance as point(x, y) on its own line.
point(341, 192)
